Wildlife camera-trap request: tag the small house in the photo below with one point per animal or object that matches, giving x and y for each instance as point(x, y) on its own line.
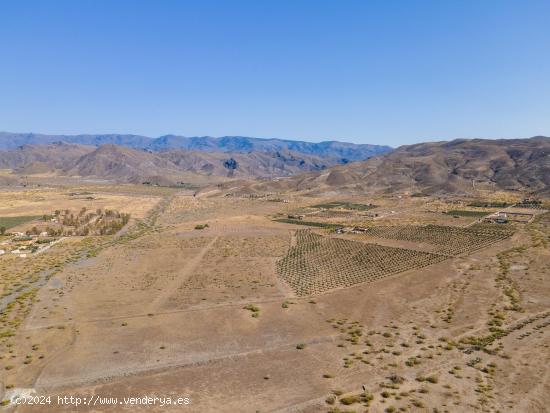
point(498, 217)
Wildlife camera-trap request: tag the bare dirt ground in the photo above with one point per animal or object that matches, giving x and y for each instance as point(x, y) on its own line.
point(164, 309)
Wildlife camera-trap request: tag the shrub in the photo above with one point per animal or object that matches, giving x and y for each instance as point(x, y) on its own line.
point(252, 307)
point(394, 378)
point(412, 361)
point(431, 379)
point(417, 403)
point(352, 399)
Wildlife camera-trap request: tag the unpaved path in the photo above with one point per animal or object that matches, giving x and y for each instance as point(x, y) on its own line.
point(44, 383)
point(169, 289)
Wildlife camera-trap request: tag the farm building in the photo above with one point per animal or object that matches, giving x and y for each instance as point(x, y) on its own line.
point(498, 218)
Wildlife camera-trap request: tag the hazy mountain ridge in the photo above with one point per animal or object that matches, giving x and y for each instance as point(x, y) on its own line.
point(328, 149)
point(132, 165)
point(10, 140)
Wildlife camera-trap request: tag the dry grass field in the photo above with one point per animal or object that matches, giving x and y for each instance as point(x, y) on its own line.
point(208, 297)
point(39, 201)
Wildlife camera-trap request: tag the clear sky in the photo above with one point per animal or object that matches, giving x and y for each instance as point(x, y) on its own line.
point(386, 72)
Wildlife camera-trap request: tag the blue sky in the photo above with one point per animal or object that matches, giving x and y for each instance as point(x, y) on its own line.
point(386, 72)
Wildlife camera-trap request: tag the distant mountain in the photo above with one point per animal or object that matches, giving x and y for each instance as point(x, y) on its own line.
point(121, 163)
point(459, 166)
point(13, 140)
point(342, 151)
point(53, 156)
point(329, 149)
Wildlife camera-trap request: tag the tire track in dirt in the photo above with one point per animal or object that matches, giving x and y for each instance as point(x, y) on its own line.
point(168, 290)
point(237, 304)
point(42, 383)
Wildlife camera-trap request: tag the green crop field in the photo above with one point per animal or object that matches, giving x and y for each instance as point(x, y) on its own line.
point(465, 213)
point(482, 204)
point(10, 222)
point(308, 223)
point(345, 205)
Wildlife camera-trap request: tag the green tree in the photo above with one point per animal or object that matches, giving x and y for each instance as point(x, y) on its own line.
point(2, 230)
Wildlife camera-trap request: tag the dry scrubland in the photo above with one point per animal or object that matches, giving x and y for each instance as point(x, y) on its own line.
point(209, 297)
point(40, 201)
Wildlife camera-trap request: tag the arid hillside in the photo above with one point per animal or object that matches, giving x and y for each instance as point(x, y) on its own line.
point(459, 166)
point(39, 158)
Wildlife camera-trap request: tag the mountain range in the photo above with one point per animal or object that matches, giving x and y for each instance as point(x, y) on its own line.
point(458, 166)
point(342, 151)
point(121, 163)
